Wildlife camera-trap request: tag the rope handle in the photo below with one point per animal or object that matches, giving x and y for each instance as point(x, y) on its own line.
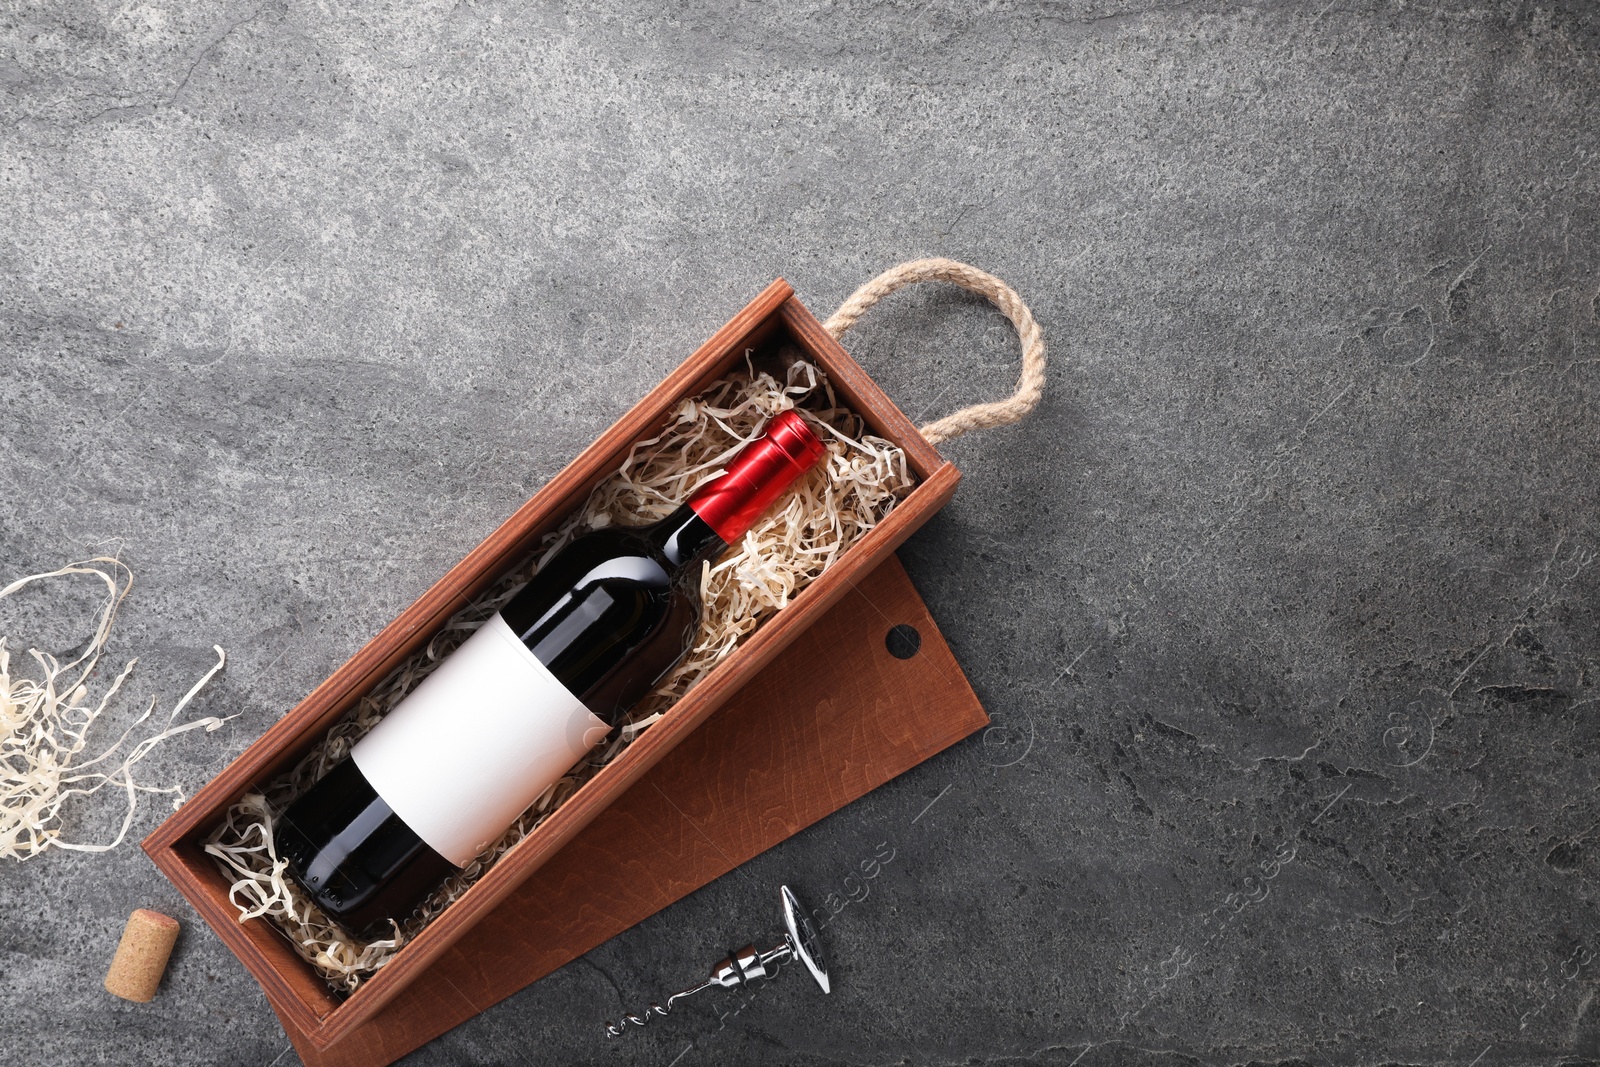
point(1030, 384)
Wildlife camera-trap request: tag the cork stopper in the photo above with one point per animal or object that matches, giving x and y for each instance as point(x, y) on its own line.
point(141, 957)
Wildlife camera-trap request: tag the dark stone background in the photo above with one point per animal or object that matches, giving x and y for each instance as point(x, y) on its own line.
point(1284, 601)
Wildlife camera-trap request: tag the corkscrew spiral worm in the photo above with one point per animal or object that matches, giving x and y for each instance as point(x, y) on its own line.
point(617, 1028)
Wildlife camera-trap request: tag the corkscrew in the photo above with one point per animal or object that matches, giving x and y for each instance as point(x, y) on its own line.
point(740, 967)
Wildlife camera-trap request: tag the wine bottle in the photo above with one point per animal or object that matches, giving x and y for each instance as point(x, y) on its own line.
point(449, 769)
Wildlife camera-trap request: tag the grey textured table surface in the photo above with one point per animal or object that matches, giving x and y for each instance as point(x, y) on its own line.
point(1284, 602)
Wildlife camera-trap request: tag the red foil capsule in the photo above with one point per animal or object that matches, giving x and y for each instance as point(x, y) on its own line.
point(758, 475)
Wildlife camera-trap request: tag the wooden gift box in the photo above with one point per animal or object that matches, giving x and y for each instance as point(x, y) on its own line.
point(309, 1009)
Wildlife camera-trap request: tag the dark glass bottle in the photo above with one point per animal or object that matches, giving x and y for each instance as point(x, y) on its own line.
point(453, 765)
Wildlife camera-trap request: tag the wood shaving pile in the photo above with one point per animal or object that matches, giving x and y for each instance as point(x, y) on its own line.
point(831, 508)
point(45, 724)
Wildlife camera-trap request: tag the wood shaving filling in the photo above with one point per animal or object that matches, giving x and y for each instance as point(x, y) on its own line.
point(827, 511)
point(45, 724)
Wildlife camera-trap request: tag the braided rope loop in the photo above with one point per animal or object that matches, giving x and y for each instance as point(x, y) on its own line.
point(1030, 384)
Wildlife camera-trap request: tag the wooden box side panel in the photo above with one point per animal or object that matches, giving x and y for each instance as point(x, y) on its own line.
point(858, 389)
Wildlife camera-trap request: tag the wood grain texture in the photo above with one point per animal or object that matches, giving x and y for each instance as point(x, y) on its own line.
point(833, 717)
point(175, 846)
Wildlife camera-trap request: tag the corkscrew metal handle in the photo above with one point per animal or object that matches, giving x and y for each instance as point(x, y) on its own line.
point(748, 963)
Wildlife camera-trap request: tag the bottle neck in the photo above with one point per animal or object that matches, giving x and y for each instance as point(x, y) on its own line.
point(684, 538)
point(762, 471)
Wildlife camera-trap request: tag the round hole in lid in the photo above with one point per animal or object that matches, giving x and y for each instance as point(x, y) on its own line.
point(903, 641)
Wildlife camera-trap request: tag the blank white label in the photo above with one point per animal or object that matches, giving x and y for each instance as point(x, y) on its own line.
point(477, 742)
